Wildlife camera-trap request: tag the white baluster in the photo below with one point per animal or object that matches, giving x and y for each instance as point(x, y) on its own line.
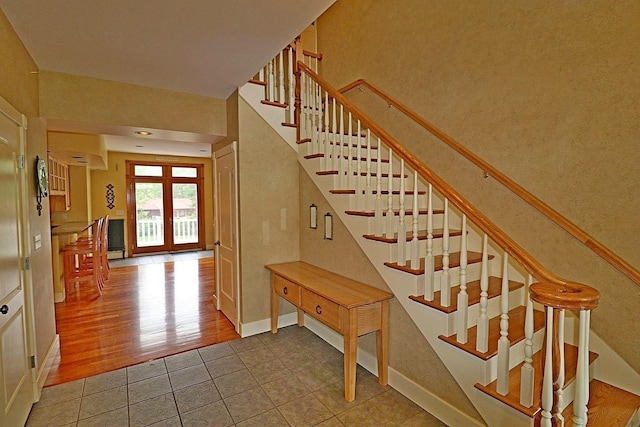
point(368, 189)
point(315, 118)
point(341, 156)
point(428, 261)
point(378, 200)
point(334, 128)
point(281, 97)
point(292, 91)
point(559, 384)
point(547, 375)
point(272, 80)
point(582, 372)
point(504, 343)
point(402, 232)
point(390, 215)
point(308, 123)
point(482, 343)
point(261, 74)
point(326, 161)
point(360, 199)
point(527, 372)
point(463, 296)
point(415, 243)
point(445, 279)
point(350, 164)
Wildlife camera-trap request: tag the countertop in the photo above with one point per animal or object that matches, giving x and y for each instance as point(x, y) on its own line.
point(70, 228)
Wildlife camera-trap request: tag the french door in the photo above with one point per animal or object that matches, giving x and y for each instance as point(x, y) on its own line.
point(165, 205)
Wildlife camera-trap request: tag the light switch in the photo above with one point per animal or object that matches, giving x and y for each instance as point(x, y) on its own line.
point(37, 241)
point(120, 212)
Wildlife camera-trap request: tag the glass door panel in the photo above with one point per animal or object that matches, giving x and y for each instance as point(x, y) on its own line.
point(149, 202)
point(185, 213)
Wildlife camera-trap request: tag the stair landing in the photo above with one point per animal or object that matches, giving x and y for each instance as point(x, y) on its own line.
point(608, 406)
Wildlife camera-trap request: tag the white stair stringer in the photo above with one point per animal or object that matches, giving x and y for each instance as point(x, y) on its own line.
point(465, 368)
point(275, 116)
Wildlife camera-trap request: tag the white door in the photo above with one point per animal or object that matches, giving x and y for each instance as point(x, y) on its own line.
point(16, 395)
point(226, 232)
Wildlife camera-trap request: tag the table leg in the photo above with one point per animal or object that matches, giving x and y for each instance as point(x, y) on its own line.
point(275, 306)
point(350, 355)
point(300, 317)
point(382, 344)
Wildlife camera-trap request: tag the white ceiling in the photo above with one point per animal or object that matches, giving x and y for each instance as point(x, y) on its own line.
point(205, 47)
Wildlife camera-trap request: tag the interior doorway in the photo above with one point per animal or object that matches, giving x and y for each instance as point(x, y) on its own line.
point(165, 207)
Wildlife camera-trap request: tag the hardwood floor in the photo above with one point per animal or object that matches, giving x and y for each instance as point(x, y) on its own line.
point(145, 312)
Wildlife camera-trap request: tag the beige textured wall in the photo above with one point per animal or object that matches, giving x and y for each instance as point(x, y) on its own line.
point(116, 175)
point(18, 71)
point(104, 102)
point(20, 88)
point(268, 184)
point(409, 352)
point(546, 91)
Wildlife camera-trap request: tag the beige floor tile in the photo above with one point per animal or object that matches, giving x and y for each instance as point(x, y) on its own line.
point(306, 411)
point(248, 404)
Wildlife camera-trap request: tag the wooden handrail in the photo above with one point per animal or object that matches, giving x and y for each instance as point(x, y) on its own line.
point(550, 295)
point(532, 266)
point(590, 242)
point(317, 56)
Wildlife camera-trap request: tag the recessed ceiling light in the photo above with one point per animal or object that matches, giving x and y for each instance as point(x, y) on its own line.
point(143, 132)
point(203, 150)
point(77, 157)
point(82, 161)
point(139, 146)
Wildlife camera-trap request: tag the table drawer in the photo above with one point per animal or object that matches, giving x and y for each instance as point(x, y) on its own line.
point(328, 312)
point(287, 290)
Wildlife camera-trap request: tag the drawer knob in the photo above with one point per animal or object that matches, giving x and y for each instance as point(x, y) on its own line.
point(285, 290)
point(318, 309)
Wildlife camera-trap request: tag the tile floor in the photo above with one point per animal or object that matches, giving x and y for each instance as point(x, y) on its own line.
point(292, 378)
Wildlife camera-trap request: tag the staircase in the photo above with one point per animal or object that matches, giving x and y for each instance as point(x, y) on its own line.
point(514, 336)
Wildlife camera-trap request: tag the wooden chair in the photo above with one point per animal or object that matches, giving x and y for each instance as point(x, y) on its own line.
point(86, 259)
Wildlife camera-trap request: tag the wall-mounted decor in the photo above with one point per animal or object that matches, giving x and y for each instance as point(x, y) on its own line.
point(42, 182)
point(328, 226)
point(111, 196)
point(313, 216)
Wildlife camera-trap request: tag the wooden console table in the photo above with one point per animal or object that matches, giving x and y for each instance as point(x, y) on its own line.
point(349, 307)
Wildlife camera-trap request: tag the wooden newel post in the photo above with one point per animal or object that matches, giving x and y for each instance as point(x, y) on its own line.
point(296, 71)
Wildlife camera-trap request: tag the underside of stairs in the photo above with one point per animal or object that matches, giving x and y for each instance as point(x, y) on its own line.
point(451, 252)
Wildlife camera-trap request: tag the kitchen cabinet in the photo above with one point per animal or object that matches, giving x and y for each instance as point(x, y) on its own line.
point(59, 197)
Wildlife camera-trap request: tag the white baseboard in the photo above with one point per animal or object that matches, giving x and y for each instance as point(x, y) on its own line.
point(422, 397)
point(45, 367)
point(264, 325)
point(58, 297)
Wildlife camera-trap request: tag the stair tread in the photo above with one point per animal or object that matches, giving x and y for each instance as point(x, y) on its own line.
point(257, 82)
point(473, 290)
point(385, 192)
point(513, 397)
point(454, 261)
point(318, 155)
point(287, 124)
point(274, 103)
point(373, 174)
point(516, 332)
point(422, 235)
point(371, 214)
point(608, 406)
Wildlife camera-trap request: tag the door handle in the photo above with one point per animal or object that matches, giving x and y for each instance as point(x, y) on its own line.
point(4, 309)
point(217, 243)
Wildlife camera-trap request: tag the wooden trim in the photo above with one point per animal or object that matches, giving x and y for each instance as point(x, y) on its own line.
point(531, 265)
point(572, 296)
point(590, 242)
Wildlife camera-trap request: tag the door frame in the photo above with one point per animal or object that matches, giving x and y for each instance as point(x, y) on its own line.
point(167, 181)
point(24, 244)
point(226, 150)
